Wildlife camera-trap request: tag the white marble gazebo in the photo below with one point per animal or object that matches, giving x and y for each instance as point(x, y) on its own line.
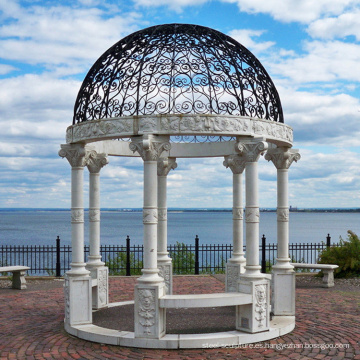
point(162, 93)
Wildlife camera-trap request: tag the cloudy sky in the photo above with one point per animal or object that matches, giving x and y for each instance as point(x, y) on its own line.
point(311, 49)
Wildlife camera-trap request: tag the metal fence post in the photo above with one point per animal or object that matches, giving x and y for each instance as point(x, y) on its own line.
point(263, 257)
point(58, 263)
point(328, 240)
point(128, 271)
point(196, 255)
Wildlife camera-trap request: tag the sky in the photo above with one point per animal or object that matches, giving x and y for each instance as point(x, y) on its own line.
point(311, 49)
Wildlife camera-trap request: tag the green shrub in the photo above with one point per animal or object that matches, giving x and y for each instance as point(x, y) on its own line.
point(117, 265)
point(346, 255)
point(183, 259)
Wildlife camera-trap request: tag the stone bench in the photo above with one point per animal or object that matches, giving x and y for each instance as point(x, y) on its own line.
point(204, 300)
point(328, 270)
point(18, 278)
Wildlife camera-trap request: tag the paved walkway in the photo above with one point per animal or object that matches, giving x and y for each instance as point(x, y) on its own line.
point(31, 325)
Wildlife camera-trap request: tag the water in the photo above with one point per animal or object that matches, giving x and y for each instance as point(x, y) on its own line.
point(35, 227)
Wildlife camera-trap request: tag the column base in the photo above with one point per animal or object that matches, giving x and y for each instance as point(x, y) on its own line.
point(233, 271)
point(283, 291)
point(77, 291)
point(166, 272)
point(78, 269)
point(150, 319)
point(100, 285)
point(255, 317)
point(150, 276)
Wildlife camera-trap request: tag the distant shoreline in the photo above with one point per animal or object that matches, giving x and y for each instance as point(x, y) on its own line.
point(179, 210)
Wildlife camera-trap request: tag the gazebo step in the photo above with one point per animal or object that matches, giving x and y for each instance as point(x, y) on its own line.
point(205, 300)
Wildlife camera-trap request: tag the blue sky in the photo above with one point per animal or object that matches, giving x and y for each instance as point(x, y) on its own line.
point(311, 49)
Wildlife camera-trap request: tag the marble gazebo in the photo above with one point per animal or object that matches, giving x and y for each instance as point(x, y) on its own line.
point(179, 91)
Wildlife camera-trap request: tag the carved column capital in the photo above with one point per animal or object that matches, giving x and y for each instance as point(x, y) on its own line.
point(74, 153)
point(94, 161)
point(251, 150)
point(282, 157)
point(235, 162)
point(164, 166)
point(150, 147)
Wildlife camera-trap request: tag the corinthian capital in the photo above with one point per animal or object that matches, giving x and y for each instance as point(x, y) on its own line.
point(149, 146)
point(251, 150)
point(282, 157)
point(74, 153)
point(235, 162)
point(94, 161)
point(165, 165)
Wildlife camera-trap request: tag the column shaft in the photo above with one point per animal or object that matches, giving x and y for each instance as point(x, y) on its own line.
point(238, 232)
point(150, 221)
point(94, 219)
point(282, 215)
point(162, 225)
point(77, 220)
point(252, 219)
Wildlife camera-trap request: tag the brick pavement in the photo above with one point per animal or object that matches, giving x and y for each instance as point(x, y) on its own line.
point(32, 326)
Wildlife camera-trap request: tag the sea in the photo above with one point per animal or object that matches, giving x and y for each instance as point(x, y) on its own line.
point(43, 226)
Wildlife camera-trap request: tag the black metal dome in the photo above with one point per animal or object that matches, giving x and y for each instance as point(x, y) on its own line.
point(177, 69)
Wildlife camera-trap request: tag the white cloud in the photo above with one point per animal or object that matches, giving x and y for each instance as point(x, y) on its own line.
point(177, 5)
point(59, 35)
point(303, 11)
point(336, 27)
point(321, 62)
point(245, 38)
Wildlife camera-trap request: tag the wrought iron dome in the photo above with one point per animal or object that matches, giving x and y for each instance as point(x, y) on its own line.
point(177, 69)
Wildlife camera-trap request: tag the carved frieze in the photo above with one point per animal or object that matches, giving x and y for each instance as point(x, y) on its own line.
point(102, 128)
point(282, 215)
point(282, 157)
point(165, 273)
point(150, 216)
point(146, 311)
point(77, 215)
point(162, 214)
point(102, 286)
point(94, 215)
point(238, 213)
point(261, 305)
point(176, 125)
point(252, 215)
point(232, 278)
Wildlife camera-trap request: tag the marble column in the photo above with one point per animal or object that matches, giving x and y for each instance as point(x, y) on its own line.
point(149, 317)
point(253, 317)
point(283, 275)
point(164, 262)
point(77, 285)
point(235, 265)
point(251, 151)
point(99, 272)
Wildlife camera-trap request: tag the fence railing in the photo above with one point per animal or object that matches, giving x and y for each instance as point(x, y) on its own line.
point(128, 259)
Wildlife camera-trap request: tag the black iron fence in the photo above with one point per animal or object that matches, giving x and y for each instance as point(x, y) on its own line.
point(128, 259)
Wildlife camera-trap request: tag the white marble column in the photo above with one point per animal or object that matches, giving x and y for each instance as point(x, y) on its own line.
point(251, 151)
point(150, 285)
point(235, 265)
point(164, 262)
point(99, 272)
point(77, 281)
point(256, 316)
point(283, 299)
